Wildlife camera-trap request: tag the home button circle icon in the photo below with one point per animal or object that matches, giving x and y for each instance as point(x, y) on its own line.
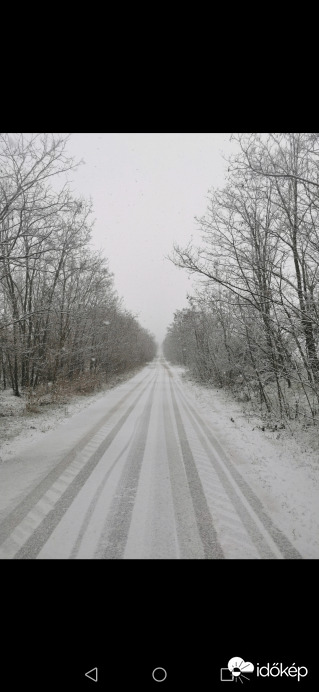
point(159, 674)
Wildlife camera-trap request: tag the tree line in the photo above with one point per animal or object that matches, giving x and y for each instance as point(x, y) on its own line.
point(253, 321)
point(60, 316)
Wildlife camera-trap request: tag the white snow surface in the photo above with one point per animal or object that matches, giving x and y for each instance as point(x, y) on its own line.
point(282, 468)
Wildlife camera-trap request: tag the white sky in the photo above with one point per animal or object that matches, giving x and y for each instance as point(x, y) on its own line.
point(146, 190)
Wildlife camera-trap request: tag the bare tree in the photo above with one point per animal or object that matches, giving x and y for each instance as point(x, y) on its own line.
point(60, 317)
point(258, 264)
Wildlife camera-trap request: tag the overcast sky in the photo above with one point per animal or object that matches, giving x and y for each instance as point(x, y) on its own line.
point(146, 190)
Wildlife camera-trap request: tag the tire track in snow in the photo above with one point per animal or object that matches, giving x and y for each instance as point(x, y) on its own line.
point(116, 528)
point(89, 512)
point(212, 510)
point(188, 536)
point(16, 516)
point(152, 533)
point(233, 536)
point(270, 540)
point(42, 525)
point(232, 532)
point(206, 528)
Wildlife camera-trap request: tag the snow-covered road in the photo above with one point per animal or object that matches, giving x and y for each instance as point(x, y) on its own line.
point(138, 474)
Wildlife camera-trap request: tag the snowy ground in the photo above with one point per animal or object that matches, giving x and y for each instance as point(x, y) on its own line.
point(18, 427)
point(282, 467)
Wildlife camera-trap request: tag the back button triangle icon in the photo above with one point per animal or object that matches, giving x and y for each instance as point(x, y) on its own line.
point(92, 674)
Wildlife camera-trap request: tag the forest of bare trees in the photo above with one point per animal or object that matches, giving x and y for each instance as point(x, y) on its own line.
point(253, 321)
point(60, 317)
